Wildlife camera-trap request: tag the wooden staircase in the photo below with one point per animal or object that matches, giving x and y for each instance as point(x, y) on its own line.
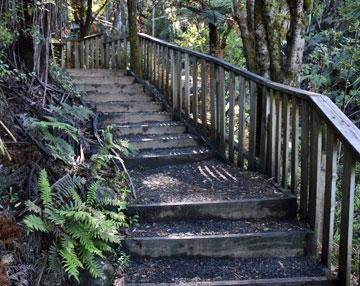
point(201, 221)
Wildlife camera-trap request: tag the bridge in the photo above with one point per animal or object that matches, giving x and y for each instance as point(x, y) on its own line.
point(233, 167)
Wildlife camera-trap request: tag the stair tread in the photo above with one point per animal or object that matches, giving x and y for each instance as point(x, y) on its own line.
point(180, 270)
point(209, 180)
point(156, 137)
point(173, 229)
point(150, 123)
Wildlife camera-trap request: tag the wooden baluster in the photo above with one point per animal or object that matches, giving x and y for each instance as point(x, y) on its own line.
point(118, 51)
point(153, 63)
point(271, 136)
point(108, 53)
point(125, 51)
point(294, 144)
point(304, 189)
point(162, 69)
point(157, 73)
point(187, 86)
point(252, 126)
point(92, 53)
point(86, 54)
point(278, 104)
point(203, 95)
point(241, 127)
point(82, 51)
point(231, 116)
point(76, 51)
point(347, 217)
point(68, 54)
point(179, 82)
point(173, 80)
point(102, 51)
point(167, 78)
point(97, 52)
point(222, 120)
point(329, 198)
point(148, 61)
point(195, 99)
point(315, 165)
point(264, 129)
point(213, 102)
point(63, 55)
point(285, 145)
point(113, 53)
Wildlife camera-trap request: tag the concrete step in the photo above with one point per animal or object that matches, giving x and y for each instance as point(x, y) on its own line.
point(224, 238)
point(259, 208)
point(162, 157)
point(203, 271)
point(146, 142)
point(128, 117)
point(95, 72)
point(102, 80)
point(127, 106)
point(158, 128)
point(121, 96)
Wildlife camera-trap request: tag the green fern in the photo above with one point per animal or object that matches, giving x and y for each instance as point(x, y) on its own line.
point(35, 223)
point(72, 113)
point(44, 188)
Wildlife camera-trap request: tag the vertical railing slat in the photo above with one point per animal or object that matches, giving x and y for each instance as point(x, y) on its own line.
point(241, 128)
point(285, 142)
point(203, 95)
point(271, 136)
point(231, 116)
point(173, 80)
point(315, 169)
point(167, 77)
point(304, 188)
point(347, 217)
point(187, 86)
point(329, 197)
point(221, 113)
point(294, 144)
point(264, 129)
point(278, 106)
point(213, 102)
point(252, 126)
point(179, 81)
point(195, 99)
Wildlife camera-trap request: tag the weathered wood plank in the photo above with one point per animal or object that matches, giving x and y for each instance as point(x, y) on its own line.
point(252, 126)
point(304, 187)
point(221, 113)
point(285, 143)
point(347, 217)
point(203, 95)
point(187, 86)
point(167, 77)
point(68, 54)
point(97, 52)
point(315, 170)
point(179, 82)
point(278, 105)
point(213, 103)
point(241, 128)
point(173, 80)
point(271, 136)
point(264, 129)
point(195, 99)
point(86, 60)
point(76, 52)
point(329, 197)
point(294, 144)
point(231, 116)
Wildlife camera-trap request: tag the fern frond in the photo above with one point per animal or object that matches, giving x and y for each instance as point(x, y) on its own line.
point(92, 192)
point(70, 260)
point(45, 189)
point(91, 264)
point(35, 223)
point(56, 124)
point(32, 207)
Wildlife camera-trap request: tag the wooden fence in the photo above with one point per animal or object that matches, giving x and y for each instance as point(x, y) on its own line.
point(258, 125)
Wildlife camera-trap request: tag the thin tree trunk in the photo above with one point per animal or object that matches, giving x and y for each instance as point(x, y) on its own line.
point(135, 55)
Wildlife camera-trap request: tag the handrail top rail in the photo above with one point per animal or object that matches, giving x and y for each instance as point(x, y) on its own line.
point(345, 128)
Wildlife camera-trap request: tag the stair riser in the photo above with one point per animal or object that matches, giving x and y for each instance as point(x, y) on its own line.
point(162, 144)
point(95, 72)
point(128, 107)
point(163, 160)
point(104, 80)
point(282, 244)
point(241, 209)
point(156, 130)
point(128, 118)
point(104, 88)
point(106, 98)
point(296, 281)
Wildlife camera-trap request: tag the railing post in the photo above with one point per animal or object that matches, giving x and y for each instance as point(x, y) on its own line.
point(231, 116)
point(221, 111)
point(213, 102)
point(187, 86)
point(271, 136)
point(241, 122)
point(294, 144)
point(252, 126)
point(203, 95)
point(285, 145)
point(347, 217)
point(278, 104)
point(195, 99)
point(179, 82)
point(264, 129)
point(329, 198)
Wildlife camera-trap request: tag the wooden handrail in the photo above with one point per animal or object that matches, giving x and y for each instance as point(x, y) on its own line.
point(346, 130)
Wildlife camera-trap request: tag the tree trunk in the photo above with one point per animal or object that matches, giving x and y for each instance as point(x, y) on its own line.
point(135, 54)
point(214, 42)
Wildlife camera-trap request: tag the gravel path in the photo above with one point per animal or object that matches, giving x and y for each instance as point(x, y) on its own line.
point(213, 227)
point(203, 181)
point(210, 269)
